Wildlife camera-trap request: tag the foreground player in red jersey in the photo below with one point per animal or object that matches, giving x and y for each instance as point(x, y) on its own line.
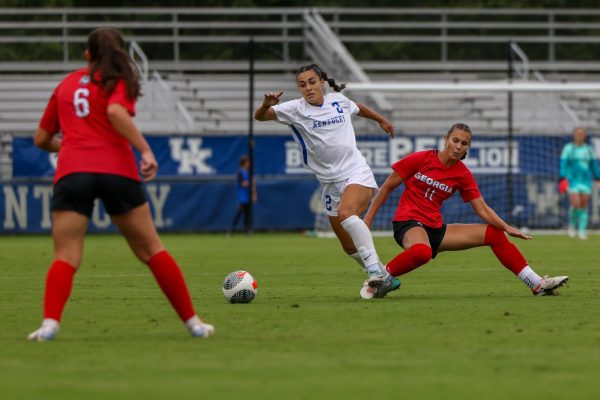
point(431, 177)
point(93, 108)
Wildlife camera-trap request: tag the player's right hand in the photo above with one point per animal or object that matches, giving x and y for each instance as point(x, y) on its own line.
point(148, 165)
point(514, 232)
point(271, 99)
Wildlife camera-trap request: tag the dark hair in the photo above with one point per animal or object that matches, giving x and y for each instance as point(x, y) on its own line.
point(322, 75)
point(462, 127)
point(243, 159)
point(108, 57)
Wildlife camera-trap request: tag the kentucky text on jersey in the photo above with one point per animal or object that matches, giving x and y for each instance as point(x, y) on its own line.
point(334, 120)
point(436, 184)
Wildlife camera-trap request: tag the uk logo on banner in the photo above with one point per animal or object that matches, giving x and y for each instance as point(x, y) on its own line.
point(190, 155)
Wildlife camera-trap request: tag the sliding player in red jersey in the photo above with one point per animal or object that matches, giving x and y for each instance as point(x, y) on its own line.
point(93, 108)
point(431, 177)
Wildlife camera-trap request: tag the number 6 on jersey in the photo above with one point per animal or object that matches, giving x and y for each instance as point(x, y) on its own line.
point(81, 103)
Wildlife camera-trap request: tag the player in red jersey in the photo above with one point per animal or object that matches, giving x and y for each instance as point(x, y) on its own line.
point(431, 177)
point(93, 108)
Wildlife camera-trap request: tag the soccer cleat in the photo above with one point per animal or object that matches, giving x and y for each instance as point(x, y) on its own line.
point(375, 279)
point(201, 330)
point(369, 287)
point(47, 331)
point(548, 285)
point(389, 284)
point(368, 292)
point(571, 232)
point(582, 236)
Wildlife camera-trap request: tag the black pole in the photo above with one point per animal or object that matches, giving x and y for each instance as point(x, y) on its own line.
point(509, 114)
point(251, 130)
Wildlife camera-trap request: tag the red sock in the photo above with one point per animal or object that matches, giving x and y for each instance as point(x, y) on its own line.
point(506, 252)
point(59, 282)
point(409, 259)
point(170, 279)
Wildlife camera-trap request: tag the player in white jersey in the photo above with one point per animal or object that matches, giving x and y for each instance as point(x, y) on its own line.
point(321, 125)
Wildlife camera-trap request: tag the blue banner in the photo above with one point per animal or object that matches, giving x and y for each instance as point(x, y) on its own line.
point(280, 155)
point(210, 205)
point(195, 190)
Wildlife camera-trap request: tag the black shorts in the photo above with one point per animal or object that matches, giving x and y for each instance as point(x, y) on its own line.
point(435, 235)
point(77, 192)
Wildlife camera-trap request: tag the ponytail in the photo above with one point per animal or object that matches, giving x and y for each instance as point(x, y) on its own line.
point(109, 58)
point(322, 75)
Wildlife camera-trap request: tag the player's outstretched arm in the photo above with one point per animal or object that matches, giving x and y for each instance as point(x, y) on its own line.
point(391, 183)
point(369, 113)
point(489, 216)
point(264, 112)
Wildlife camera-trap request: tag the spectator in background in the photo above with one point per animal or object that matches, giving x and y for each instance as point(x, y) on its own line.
point(244, 195)
point(578, 167)
point(93, 108)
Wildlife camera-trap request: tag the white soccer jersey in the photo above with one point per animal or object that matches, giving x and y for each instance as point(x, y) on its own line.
point(325, 135)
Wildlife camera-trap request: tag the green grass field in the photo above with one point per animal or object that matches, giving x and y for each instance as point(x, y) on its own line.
point(461, 327)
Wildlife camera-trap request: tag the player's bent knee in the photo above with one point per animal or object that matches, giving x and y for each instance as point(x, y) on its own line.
point(494, 236)
point(345, 213)
point(421, 253)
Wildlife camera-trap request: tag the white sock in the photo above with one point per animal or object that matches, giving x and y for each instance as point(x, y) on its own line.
point(358, 259)
point(50, 323)
point(192, 321)
point(529, 277)
point(361, 236)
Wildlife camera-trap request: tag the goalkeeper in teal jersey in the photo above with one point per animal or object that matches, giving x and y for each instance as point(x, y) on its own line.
point(578, 166)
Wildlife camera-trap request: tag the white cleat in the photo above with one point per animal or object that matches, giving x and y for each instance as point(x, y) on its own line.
point(367, 292)
point(548, 285)
point(571, 232)
point(201, 330)
point(47, 331)
point(375, 280)
point(582, 236)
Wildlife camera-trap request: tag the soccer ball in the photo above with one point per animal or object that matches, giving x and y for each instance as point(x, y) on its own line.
point(240, 287)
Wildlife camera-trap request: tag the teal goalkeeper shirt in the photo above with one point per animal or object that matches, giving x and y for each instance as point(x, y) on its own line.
point(578, 164)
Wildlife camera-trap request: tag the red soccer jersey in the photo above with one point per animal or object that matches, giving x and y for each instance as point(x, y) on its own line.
point(78, 108)
point(428, 184)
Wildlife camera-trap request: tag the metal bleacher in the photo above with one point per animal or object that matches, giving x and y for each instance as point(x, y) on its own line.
point(183, 94)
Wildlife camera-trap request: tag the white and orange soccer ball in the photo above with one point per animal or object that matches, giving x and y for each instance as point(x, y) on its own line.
point(240, 287)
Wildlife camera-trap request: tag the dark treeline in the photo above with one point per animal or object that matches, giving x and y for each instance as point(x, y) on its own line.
point(383, 51)
point(309, 3)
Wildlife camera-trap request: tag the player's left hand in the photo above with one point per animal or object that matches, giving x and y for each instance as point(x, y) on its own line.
point(388, 127)
point(514, 232)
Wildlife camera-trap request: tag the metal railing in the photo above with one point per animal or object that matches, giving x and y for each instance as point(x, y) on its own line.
point(136, 53)
point(323, 46)
point(159, 103)
point(521, 67)
point(176, 34)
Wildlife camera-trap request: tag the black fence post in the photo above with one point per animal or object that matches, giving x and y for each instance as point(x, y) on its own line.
point(510, 138)
point(251, 132)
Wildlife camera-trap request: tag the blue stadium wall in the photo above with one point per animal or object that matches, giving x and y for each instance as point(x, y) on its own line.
point(195, 188)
